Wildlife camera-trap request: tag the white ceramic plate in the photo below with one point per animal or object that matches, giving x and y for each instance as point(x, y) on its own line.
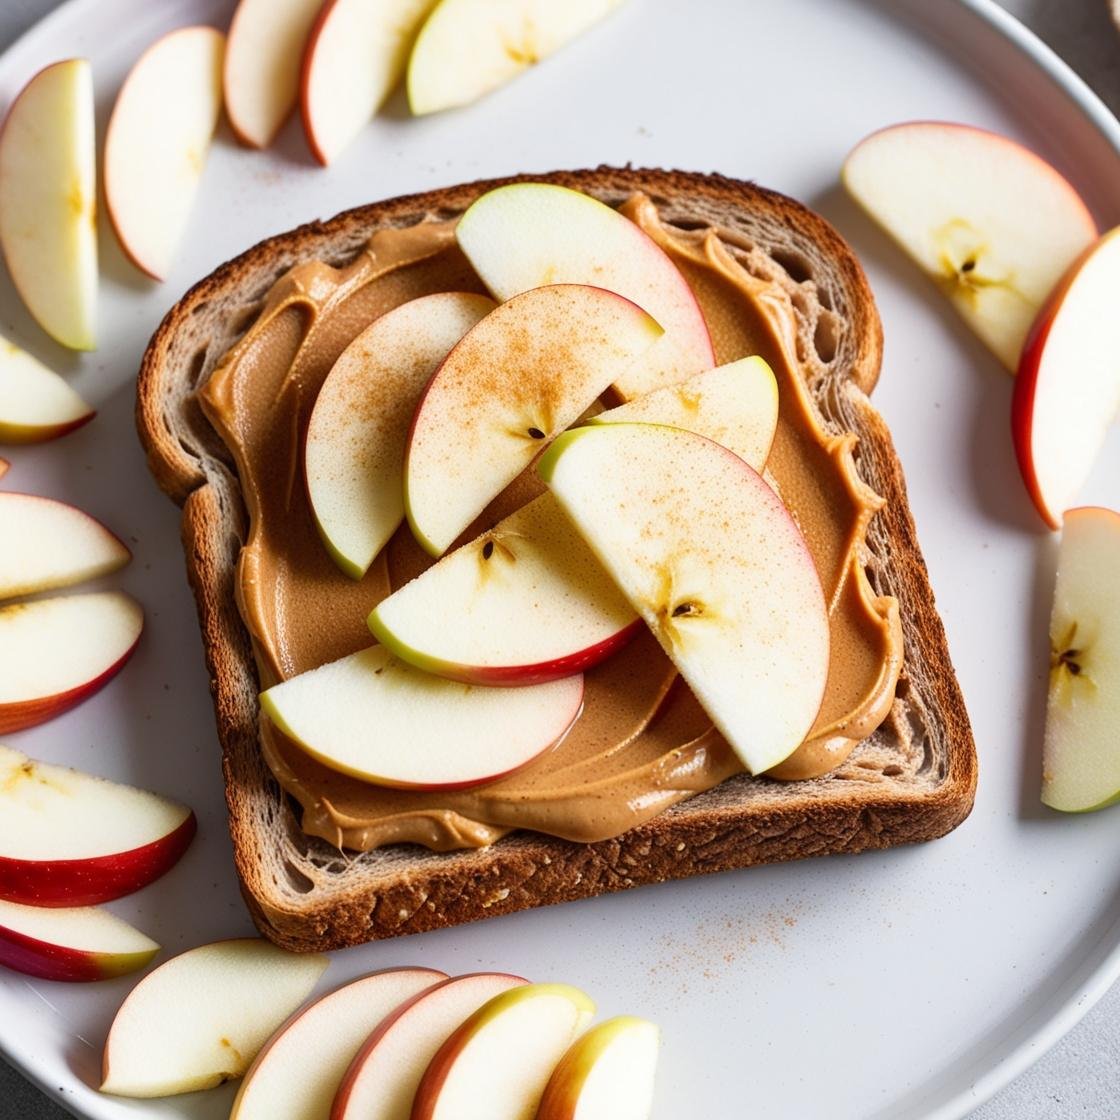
point(903, 984)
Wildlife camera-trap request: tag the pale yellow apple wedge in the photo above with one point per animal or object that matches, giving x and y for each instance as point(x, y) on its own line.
point(35, 403)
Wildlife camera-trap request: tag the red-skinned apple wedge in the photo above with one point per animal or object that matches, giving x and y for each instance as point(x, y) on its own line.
point(76, 945)
point(54, 653)
point(72, 839)
point(1068, 389)
point(35, 403)
point(381, 1081)
point(4, 465)
point(203, 1016)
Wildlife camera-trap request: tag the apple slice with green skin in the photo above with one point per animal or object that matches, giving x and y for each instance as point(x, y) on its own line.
point(377, 718)
point(992, 223)
point(156, 143)
point(203, 1016)
point(524, 235)
point(356, 438)
point(496, 1064)
point(72, 839)
point(260, 76)
point(528, 601)
point(299, 1069)
point(54, 653)
point(1080, 759)
point(512, 384)
point(49, 544)
point(712, 561)
point(607, 1074)
point(355, 55)
point(74, 944)
point(1068, 389)
point(35, 403)
point(48, 189)
point(382, 1079)
point(467, 48)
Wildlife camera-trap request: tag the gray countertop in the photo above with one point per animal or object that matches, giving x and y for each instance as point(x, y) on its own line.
point(1080, 1077)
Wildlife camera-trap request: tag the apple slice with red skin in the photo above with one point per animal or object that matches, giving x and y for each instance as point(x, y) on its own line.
point(381, 1081)
point(48, 198)
point(380, 719)
point(496, 1064)
point(260, 75)
point(299, 1069)
point(35, 403)
point(4, 465)
point(1080, 756)
point(524, 235)
point(49, 544)
point(156, 143)
point(54, 653)
point(72, 839)
point(607, 1074)
point(1068, 389)
point(74, 944)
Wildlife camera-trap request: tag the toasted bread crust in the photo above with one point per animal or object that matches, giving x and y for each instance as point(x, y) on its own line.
point(299, 892)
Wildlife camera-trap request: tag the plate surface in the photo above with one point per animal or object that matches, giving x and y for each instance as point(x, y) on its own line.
point(897, 985)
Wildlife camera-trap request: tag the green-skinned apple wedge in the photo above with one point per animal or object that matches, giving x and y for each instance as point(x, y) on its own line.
point(35, 403)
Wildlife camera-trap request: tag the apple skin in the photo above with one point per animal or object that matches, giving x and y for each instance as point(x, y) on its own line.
point(27, 433)
point(45, 961)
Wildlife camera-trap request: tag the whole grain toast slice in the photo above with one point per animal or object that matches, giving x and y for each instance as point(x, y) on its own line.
point(912, 780)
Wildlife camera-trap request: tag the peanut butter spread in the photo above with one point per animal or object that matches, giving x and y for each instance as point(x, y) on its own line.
point(642, 743)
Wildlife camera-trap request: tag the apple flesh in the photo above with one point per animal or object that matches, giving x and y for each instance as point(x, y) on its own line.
point(991, 222)
point(355, 445)
point(523, 235)
point(381, 1081)
point(260, 76)
point(467, 49)
point(1080, 760)
point(157, 141)
point(607, 1074)
point(55, 653)
point(35, 403)
point(49, 544)
point(1068, 390)
point(712, 561)
point(72, 839)
point(48, 176)
point(379, 719)
point(203, 1016)
point(78, 944)
point(299, 1069)
point(355, 55)
point(512, 384)
point(496, 1064)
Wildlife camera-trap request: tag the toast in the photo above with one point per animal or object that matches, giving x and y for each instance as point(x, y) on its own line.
point(912, 780)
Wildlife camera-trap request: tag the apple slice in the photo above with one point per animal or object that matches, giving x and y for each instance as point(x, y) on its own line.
point(355, 446)
point(1068, 389)
point(468, 48)
point(514, 382)
point(355, 55)
point(35, 403)
point(379, 719)
point(382, 1079)
point(298, 1071)
point(56, 652)
point(260, 77)
point(524, 235)
point(607, 1074)
point(496, 1064)
point(710, 558)
point(71, 839)
point(4, 465)
point(48, 176)
point(991, 222)
point(203, 1016)
point(1080, 762)
point(49, 544)
point(80, 944)
point(156, 143)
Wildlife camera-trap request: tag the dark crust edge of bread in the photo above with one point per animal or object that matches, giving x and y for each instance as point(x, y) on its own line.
point(539, 870)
